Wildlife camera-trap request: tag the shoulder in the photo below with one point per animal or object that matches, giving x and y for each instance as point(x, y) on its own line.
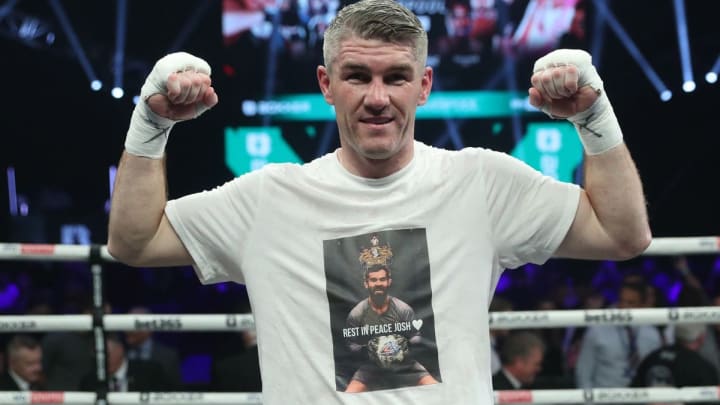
point(7, 383)
point(662, 353)
point(278, 173)
point(144, 367)
point(400, 305)
point(595, 332)
point(164, 350)
point(501, 382)
point(472, 160)
point(358, 309)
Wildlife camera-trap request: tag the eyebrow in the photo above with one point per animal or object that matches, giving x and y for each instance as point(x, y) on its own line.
point(403, 67)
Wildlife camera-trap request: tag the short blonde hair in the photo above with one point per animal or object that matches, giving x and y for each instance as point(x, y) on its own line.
point(385, 20)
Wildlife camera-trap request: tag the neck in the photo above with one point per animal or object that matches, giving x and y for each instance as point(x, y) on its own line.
point(375, 168)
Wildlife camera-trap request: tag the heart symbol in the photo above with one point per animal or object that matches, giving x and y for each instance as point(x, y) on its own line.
point(417, 323)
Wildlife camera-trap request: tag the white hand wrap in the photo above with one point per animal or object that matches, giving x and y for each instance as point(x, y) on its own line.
point(598, 127)
point(148, 132)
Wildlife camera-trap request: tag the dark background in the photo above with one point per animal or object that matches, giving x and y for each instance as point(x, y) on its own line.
point(61, 137)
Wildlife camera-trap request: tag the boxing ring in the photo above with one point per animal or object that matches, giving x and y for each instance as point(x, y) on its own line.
point(98, 323)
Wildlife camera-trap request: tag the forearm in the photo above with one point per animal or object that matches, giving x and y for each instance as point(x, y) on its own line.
point(178, 88)
point(611, 220)
point(138, 202)
point(615, 192)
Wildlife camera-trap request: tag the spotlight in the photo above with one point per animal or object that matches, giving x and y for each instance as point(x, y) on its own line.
point(712, 74)
point(96, 85)
point(67, 28)
point(684, 46)
point(119, 59)
point(136, 99)
point(117, 92)
point(633, 50)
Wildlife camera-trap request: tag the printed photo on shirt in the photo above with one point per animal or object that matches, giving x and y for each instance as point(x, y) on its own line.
point(382, 321)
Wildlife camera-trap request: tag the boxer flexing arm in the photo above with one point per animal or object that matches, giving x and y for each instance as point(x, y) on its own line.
point(177, 89)
point(611, 221)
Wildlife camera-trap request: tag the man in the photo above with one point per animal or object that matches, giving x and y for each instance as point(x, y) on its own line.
point(679, 364)
point(521, 355)
point(609, 354)
point(24, 371)
point(68, 356)
point(238, 372)
point(498, 304)
point(141, 346)
point(391, 364)
point(480, 211)
point(127, 375)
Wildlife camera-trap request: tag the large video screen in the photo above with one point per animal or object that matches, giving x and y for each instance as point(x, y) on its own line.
point(481, 52)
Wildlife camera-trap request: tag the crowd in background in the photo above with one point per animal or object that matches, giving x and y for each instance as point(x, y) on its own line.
point(592, 357)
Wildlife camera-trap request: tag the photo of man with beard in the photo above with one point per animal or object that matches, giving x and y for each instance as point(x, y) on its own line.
point(389, 364)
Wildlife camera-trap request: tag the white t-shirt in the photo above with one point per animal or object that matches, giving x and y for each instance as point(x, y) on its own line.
point(300, 236)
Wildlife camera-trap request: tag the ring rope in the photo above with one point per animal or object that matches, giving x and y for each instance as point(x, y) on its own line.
point(239, 322)
point(49, 252)
point(566, 396)
point(33, 251)
point(683, 245)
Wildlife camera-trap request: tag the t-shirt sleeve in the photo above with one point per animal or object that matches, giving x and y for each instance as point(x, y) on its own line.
point(215, 226)
point(530, 213)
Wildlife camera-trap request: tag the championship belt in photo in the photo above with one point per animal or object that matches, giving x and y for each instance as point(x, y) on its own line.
point(388, 351)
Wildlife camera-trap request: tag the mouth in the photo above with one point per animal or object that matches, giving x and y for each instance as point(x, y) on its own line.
point(376, 121)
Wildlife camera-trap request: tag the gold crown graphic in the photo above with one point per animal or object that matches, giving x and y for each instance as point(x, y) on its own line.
point(375, 254)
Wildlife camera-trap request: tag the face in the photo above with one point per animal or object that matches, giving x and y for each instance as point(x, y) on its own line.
point(27, 363)
point(527, 368)
point(375, 88)
point(136, 337)
point(377, 284)
point(461, 20)
point(629, 298)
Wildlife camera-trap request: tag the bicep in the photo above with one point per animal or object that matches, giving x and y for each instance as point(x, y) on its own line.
point(165, 248)
point(586, 238)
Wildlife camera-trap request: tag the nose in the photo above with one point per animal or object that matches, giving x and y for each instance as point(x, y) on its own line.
point(377, 97)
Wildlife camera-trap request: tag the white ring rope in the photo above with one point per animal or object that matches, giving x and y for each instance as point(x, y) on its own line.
point(609, 395)
point(683, 246)
point(133, 398)
point(30, 251)
point(238, 322)
point(46, 397)
point(46, 252)
point(125, 322)
point(569, 396)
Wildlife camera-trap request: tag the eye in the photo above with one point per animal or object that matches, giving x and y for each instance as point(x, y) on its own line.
point(356, 77)
point(397, 78)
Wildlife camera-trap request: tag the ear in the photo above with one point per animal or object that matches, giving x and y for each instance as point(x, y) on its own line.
point(323, 77)
point(389, 282)
point(426, 85)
